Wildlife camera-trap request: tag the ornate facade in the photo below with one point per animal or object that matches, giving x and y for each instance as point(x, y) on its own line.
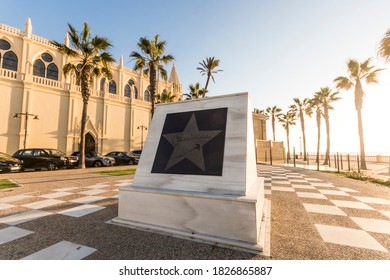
point(41, 108)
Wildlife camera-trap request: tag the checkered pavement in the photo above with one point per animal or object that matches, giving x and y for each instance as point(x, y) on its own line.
point(74, 202)
point(368, 217)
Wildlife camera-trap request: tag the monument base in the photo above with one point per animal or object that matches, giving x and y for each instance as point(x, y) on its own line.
point(232, 221)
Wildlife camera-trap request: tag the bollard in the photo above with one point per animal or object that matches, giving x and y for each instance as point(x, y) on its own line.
point(338, 163)
point(294, 155)
point(341, 161)
point(270, 155)
point(335, 161)
point(318, 163)
point(265, 156)
point(358, 163)
point(349, 162)
point(307, 158)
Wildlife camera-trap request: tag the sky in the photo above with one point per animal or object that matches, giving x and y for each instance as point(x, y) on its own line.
point(275, 50)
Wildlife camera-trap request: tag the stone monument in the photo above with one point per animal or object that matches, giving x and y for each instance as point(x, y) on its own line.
point(197, 176)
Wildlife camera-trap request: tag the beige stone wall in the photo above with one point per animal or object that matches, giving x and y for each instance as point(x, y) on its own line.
point(264, 148)
point(113, 119)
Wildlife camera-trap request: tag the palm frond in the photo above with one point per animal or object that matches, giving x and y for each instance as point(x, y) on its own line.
point(343, 83)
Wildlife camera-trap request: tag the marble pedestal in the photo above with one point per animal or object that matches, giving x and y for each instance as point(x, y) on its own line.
point(226, 209)
point(224, 220)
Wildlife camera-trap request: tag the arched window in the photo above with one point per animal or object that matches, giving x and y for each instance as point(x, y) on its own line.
point(136, 95)
point(45, 68)
point(39, 68)
point(128, 88)
point(112, 87)
point(147, 96)
point(52, 72)
point(8, 59)
point(102, 84)
point(127, 92)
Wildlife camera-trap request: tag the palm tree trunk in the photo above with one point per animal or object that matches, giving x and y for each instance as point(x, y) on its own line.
point(327, 154)
point(363, 164)
point(85, 94)
point(288, 143)
point(153, 86)
point(273, 127)
point(318, 138)
point(359, 93)
point(303, 136)
point(207, 81)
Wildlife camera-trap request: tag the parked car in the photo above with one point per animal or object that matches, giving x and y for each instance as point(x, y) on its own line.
point(136, 153)
point(94, 159)
point(9, 164)
point(41, 158)
point(123, 158)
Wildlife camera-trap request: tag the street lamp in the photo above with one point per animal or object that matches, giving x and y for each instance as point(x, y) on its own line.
point(142, 127)
point(26, 115)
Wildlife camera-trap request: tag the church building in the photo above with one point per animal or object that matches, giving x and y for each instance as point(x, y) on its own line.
point(41, 108)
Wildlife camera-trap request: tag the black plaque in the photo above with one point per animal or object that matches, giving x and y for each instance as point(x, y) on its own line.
point(192, 143)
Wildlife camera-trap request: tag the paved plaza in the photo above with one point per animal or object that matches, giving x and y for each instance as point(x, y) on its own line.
point(64, 215)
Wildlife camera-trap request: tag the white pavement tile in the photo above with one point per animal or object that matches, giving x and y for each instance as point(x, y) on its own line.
point(373, 225)
point(283, 189)
point(279, 178)
point(98, 186)
point(280, 182)
point(6, 206)
point(267, 192)
point(313, 179)
point(63, 250)
point(43, 203)
point(115, 196)
point(293, 181)
point(306, 187)
point(55, 194)
point(266, 184)
point(124, 184)
point(24, 217)
point(323, 209)
point(322, 185)
point(347, 190)
point(386, 213)
point(66, 189)
point(311, 195)
point(93, 192)
point(14, 198)
point(81, 210)
point(349, 237)
point(88, 199)
point(11, 233)
point(125, 181)
point(373, 200)
point(351, 204)
point(332, 192)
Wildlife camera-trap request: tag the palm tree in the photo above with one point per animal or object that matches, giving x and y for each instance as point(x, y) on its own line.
point(326, 96)
point(287, 120)
point(316, 105)
point(165, 97)
point(384, 47)
point(195, 92)
point(301, 108)
point(89, 58)
point(358, 72)
point(150, 61)
point(273, 112)
point(208, 68)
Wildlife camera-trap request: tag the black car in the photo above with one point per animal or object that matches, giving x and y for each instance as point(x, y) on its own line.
point(123, 158)
point(136, 153)
point(94, 159)
point(41, 158)
point(9, 164)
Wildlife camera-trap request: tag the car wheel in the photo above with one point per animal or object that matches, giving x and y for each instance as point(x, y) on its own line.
point(131, 162)
point(51, 166)
point(98, 164)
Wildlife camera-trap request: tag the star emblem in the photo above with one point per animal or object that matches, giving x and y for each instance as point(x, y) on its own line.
point(188, 144)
